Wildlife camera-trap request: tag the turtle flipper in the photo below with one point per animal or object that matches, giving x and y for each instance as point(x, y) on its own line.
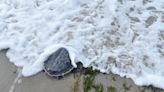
point(60, 77)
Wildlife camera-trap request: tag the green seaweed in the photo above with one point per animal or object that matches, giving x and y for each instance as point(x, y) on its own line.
point(76, 85)
point(90, 71)
point(98, 88)
point(154, 89)
point(87, 83)
point(111, 89)
point(114, 78)
point(126, 87)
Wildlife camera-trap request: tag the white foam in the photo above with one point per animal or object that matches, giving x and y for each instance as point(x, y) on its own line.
point(125, 37)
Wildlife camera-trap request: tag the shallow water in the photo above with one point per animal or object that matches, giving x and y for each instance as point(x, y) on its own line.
point(125, 37)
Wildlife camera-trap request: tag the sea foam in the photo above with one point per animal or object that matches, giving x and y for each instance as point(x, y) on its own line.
point(125, 37)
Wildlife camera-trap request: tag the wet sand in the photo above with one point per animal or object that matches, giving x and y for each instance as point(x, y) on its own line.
point(43, 83)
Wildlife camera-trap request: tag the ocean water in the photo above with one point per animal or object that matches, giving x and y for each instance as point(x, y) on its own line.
point(124, 37)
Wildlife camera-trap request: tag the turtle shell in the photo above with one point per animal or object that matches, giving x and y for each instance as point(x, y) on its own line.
point(59, 63)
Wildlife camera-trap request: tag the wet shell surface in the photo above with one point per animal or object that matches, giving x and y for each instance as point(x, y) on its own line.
point(59, 63)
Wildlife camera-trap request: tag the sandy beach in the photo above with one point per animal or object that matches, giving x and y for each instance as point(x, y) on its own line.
point(43, 83)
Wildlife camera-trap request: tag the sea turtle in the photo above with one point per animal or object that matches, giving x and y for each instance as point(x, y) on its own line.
point(58, 63)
